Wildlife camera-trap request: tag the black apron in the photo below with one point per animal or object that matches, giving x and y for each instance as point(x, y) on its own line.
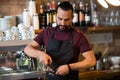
point(61, 52)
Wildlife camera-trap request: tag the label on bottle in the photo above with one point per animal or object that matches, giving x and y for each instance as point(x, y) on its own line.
point(87, 18)
point(54, 18)
point(75, 18)
point(81, 16)
point(50, 18)
point(47, 18)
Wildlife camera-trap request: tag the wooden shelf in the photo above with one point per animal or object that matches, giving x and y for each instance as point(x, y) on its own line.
point(14, 43)
point(38, 31)
point(94, 29)
point(103, 29)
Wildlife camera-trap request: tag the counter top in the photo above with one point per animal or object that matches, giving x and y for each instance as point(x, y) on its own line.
point(106, 74)
point(22, 75)
point(83, 75)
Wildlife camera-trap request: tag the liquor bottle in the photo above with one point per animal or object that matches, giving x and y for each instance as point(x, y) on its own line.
point(87, 15)
point(52, 17)
point(81, 14)
point(75, 21)
point(95, 17)
point(42, 18)
point(54, 24)
point(53, 13)
point(48, 14)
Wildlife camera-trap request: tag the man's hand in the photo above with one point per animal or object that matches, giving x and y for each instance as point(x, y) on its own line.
point(62, 70)
point(44, 58)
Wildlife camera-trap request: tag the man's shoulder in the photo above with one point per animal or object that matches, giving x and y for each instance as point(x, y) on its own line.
point(77, 30)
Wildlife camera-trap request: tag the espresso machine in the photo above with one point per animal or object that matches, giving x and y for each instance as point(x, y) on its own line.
point(23, 62)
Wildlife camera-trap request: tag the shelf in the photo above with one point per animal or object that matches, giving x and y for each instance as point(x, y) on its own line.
point(14, 43)
point(38, 31)
point(94, 29)
point(103, 29)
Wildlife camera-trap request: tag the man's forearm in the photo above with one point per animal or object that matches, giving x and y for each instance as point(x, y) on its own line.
point(82, 65)
point(31, 52)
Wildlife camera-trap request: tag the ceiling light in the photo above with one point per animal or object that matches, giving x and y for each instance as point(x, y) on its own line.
point(103, 3)
point(114, 2)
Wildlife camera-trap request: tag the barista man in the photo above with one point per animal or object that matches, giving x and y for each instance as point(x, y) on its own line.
point(63, 44)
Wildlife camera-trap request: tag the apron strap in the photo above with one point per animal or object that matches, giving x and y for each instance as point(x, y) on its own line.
point(71, 36)
point(52, 34)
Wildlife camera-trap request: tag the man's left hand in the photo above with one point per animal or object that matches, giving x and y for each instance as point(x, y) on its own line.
point(62, 70)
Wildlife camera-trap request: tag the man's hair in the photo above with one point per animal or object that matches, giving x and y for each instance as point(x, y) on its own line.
point(65, 5)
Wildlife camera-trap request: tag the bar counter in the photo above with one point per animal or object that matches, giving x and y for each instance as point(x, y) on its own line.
point(22, 75)
point(83, 75)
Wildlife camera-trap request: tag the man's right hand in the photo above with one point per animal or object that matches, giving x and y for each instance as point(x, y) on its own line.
point(44, 58)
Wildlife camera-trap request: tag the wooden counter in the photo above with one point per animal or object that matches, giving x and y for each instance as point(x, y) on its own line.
point(83, 75)
point(100, 75)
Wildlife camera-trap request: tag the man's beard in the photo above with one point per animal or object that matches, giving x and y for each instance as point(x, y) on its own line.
point(64, 27)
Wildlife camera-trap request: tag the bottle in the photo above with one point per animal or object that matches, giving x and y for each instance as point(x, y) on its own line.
point(95, 17)
point(48, 14)
point(53, 13)
point(52, 16)
point(42, 18)
point(75, 21)
point(81, 14)
point(87, 15)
